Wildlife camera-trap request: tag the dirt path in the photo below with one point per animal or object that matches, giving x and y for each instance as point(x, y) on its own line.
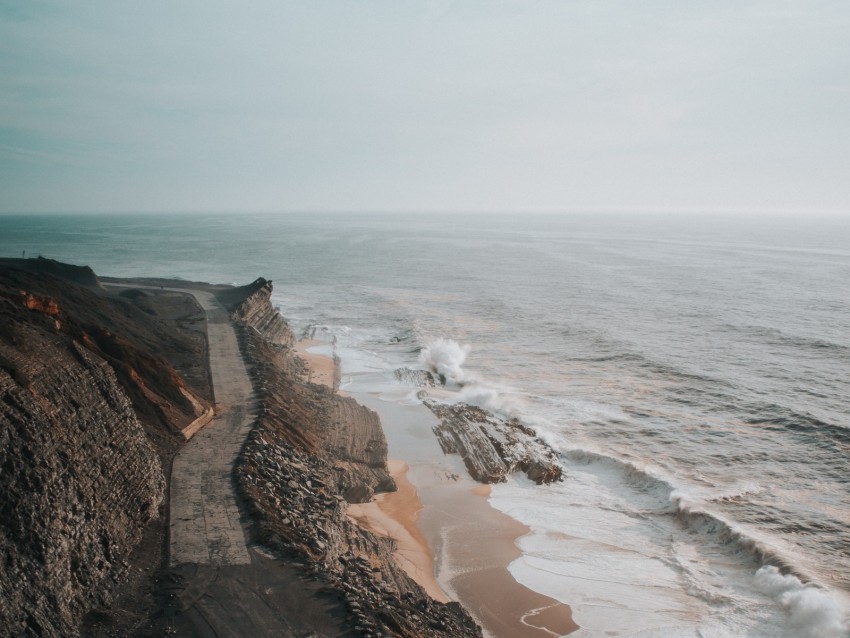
point(217, 584)
point(205, 526)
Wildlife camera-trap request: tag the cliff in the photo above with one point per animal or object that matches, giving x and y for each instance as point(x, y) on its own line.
point(311, 453)
point(95, 388)
point(251, 306)
point(79, 478)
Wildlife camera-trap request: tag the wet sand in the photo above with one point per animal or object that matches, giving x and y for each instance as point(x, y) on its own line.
point(321, 368)
point(394, 514)
point(450, 540)
point(471, 542)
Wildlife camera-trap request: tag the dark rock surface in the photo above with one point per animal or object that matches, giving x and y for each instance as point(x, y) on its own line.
point(251, 305)
point(94, 389)
point(492, 447)
point(417, 378)
point(310, 454)
point(155, 343)
point(78, 477)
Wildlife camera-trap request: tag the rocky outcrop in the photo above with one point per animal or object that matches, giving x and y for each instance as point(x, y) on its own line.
point(417, 378)
point(310, 454)
point(302, 514)
point(156, 344)
point(492, 447)
point(355, 441)
point(251, 305)
point(78, 476)
point(95, 388)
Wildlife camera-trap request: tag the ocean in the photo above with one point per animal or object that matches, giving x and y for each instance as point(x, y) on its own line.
point(692, 371)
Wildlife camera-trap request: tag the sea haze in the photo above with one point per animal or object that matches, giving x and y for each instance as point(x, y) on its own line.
point(693, 371)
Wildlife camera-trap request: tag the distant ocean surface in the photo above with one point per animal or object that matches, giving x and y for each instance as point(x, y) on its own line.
point(692, 371)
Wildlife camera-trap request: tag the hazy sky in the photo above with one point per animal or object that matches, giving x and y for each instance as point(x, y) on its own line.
point(440, 105)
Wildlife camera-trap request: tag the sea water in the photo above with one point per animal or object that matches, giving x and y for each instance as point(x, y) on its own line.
point(692, 371)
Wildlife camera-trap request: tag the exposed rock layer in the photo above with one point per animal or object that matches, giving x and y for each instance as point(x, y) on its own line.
point(492, 447)
point(251, 305)
point(94, 389)
point(310, 454)
point(78, 476)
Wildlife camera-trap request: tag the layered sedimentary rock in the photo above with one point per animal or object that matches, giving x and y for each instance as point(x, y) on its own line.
point(144, 349)
point(78, 477)
point(251, 305)
point(91, 406)
point(492, 447)
point(309, 455)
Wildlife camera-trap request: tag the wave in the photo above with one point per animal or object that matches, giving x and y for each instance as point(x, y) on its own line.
point(445, 358)
point(691, 513)
point(805, 426)
point(776, 337)
point(812, 611)
point(658, 368)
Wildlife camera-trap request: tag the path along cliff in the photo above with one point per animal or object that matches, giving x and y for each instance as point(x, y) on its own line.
point(99, 391)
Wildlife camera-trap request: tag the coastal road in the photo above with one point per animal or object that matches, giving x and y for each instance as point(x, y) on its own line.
point(204, 520)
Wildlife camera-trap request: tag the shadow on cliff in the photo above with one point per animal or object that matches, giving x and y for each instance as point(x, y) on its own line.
point(95, 388)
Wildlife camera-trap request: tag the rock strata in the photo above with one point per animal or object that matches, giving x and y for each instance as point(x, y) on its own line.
point(492, 447)
point(78, 476)
point(251, 305)
point(417, 378)
point(310, 454)
point(95, 388)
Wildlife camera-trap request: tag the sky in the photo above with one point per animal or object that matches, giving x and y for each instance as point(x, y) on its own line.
point(379, 105)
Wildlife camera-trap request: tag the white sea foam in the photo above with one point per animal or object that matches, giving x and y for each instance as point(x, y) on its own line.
point(622, 543)
point(445, 357)
point(812, 611)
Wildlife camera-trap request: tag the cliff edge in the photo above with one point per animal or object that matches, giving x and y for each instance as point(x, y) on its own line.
point(95, 388)
point(311, 453)
point(79, 477)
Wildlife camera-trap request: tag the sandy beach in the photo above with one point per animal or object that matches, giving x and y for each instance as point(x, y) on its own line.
point(449, 539)
point(321, 369)
point(394, 514)
point(439, 507)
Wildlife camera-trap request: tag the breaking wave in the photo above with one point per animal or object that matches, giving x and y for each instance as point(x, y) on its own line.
point(812, 611)
point(690, 512)
point(445, 358)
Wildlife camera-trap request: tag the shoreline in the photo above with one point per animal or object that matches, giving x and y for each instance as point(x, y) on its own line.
point(448, 537)
point(394, 514)
point(390, 514)
point(471, 542)
point(320, 368)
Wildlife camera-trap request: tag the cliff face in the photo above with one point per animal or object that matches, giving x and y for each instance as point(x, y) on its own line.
point(251, 305)
point(155, 359)
point(310, 454)
point(78, 477)
point(95, 388)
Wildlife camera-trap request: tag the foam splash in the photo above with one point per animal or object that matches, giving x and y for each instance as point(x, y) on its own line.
point(489, 398)
point(812, 611)
point(445, 357)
